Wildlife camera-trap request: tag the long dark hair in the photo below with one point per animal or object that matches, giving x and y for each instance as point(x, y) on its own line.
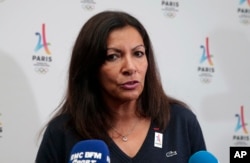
point(83, 103)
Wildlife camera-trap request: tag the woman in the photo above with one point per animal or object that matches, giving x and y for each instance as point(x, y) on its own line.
point(115, 94)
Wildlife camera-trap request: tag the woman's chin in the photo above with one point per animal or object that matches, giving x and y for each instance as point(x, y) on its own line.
point(130, 97)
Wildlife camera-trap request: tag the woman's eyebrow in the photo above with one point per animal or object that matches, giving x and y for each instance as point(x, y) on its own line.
point(118, 50)
point(138, 46)
point(114, 49)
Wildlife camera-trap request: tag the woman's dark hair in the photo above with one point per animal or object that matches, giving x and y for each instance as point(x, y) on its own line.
point(89, 116)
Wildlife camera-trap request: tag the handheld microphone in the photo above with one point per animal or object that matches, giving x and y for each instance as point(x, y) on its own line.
point(203, 157)
point(90, 151)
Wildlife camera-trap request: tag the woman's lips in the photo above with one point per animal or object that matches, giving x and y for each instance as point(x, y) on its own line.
point(130, 85)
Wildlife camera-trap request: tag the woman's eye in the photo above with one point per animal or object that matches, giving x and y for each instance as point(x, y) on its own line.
point(139, 53)
point(111, 57)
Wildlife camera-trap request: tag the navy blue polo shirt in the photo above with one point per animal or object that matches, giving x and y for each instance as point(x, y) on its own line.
point(182, 138)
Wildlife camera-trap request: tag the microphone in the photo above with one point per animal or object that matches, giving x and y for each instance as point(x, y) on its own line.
point(203, 157)
point(90, 151)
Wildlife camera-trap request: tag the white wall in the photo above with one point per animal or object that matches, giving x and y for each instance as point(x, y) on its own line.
point(177, 30)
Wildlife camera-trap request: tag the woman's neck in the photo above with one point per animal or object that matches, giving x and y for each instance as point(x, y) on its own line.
point(123, 111)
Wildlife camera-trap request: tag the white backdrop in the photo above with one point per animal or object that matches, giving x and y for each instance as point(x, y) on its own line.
point(32, 82)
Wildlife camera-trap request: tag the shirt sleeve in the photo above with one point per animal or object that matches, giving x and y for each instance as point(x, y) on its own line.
point(197, 141)
point(57, 141)
point(49, 149)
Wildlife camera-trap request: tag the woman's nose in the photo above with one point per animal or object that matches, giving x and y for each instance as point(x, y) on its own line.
point(128, 67)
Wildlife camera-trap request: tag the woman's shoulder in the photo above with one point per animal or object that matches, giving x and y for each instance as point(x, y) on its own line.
point(58, 123)
point(183, 118)
point(181, 112)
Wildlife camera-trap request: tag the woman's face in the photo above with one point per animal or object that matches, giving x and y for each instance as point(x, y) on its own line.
point(123, 73)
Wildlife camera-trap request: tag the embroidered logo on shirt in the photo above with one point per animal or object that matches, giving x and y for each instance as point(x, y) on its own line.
point(158, 140)
point(171, 153)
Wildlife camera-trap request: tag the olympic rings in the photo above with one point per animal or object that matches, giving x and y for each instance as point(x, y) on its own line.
point(170, 14)
point(245, 21)
point(41, 70)
point(88, 7)
point(205, 80)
